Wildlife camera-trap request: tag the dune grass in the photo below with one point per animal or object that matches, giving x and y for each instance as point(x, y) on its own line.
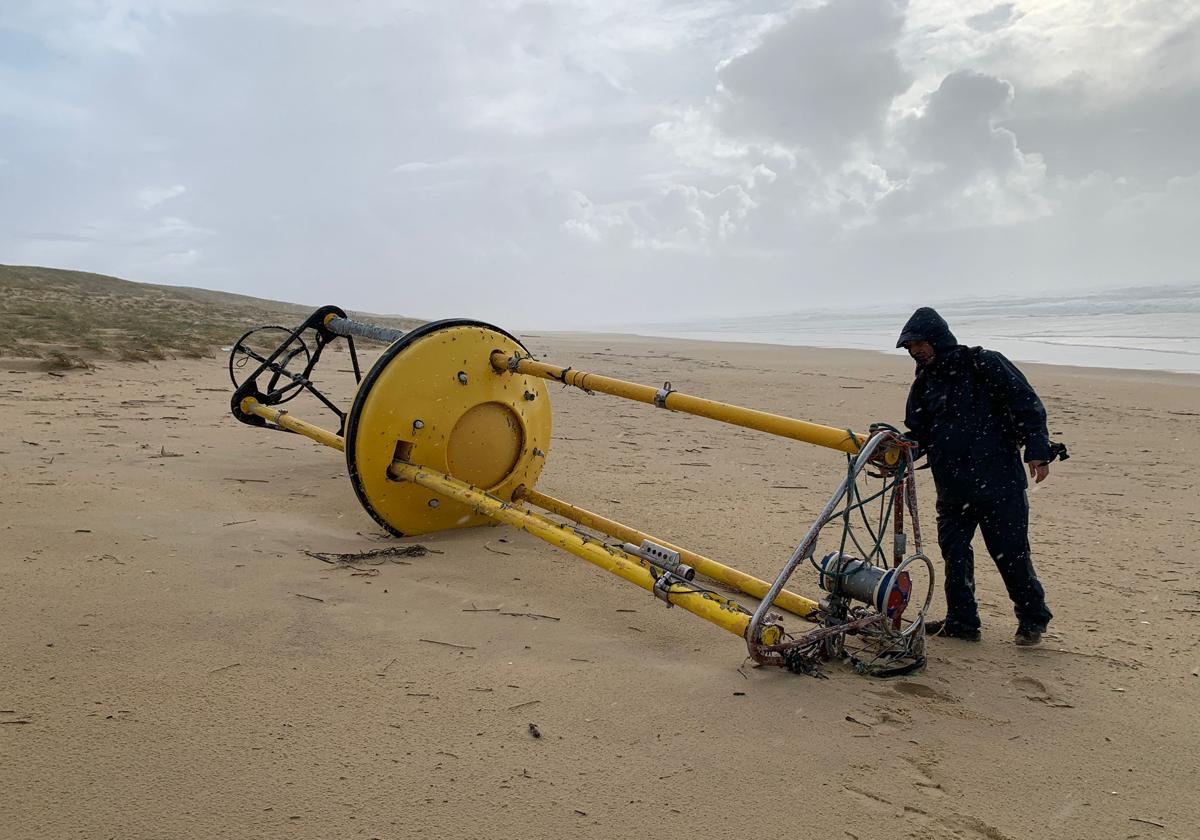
point(56, 314)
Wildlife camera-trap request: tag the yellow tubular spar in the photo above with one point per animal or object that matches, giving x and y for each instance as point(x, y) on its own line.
point(283, 420)
point(774, 424)
point(712, 607)
point(740, 581)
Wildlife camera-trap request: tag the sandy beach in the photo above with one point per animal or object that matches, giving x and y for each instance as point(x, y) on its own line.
point(176, 666)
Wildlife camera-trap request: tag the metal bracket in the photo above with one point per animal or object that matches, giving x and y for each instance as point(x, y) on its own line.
point(661, 557)
point(662, 587)
point(660, 396)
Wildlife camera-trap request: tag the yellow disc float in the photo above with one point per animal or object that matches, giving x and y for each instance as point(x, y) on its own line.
point(433, 399)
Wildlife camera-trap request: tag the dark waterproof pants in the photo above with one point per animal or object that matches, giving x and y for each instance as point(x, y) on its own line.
point(1004, 522)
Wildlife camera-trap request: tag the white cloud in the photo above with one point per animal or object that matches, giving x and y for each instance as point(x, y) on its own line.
point(963, 168)
point(813, 104)
point(1174, 206)
point(997, 17)
point(149, 197)
point(440, 162)
point(822, 80)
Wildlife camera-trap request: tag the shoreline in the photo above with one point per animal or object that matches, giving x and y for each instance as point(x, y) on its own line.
point(1188, 377)
point(46, 362)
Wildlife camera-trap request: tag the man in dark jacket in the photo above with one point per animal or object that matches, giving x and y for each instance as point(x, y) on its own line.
point(971, 411)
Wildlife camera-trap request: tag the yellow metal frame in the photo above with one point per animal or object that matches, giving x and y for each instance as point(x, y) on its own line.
point(482, 506)
point(281, 418)
point(742, 582)
point(708, 605)
point(451, 428)
point(843, 440)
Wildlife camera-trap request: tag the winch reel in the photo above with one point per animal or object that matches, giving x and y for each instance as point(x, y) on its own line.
point(450, 428)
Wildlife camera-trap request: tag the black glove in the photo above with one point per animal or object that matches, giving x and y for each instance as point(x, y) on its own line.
point(917, 450)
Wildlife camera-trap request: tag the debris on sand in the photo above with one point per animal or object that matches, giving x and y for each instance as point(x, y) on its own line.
point(374, 557)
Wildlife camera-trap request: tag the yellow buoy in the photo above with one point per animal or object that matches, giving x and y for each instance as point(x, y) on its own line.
point(434, 399)
point(450, 429)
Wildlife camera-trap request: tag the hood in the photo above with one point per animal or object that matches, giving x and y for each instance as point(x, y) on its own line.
point(926, 325)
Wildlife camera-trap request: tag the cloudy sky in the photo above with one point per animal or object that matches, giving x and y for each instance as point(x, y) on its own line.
point(588, 162)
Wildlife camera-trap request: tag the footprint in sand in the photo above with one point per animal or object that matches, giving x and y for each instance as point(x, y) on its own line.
point(1036, 690)
point(923, 781)
point(925, 692)
point(1031, 686)
point(891, 723)
point(882, 720)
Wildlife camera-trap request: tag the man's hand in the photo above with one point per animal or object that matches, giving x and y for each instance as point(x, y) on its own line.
point(1038, 470)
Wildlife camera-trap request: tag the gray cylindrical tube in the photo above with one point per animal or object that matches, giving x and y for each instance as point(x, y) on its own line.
point(347, 326)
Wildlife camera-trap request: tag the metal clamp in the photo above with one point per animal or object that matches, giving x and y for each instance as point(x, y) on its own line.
point(660, 396)
point(662, 588)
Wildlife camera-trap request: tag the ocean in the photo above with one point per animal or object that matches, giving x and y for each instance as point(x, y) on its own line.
point(1139, 329)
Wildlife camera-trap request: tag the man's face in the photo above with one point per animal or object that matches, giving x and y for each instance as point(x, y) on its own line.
point(922, 351)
